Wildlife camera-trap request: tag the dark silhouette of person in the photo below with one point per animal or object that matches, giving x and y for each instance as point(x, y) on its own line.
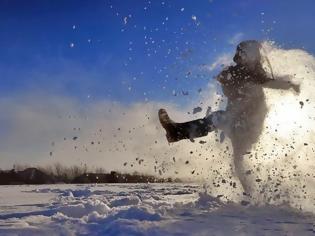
point(242, 120)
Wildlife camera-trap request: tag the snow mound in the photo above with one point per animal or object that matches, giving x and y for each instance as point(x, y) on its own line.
point(132, 200)
point(84, 209)
point(103, 210)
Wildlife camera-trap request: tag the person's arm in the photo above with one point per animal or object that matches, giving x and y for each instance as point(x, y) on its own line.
point(281, 84)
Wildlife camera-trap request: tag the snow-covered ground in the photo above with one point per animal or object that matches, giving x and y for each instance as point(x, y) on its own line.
point(139, 209)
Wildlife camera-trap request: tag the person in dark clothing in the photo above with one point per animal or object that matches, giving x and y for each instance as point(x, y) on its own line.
point(242, 120)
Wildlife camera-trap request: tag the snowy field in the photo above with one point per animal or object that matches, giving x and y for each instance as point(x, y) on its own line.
point(139, 209)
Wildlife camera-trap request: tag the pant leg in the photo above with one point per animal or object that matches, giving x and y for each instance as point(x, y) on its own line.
point(218, 119)
point(195, 128)
point(200, 127)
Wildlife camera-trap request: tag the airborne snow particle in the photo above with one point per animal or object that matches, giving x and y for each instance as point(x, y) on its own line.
point(222, 137)
point(244, 203)
point(185, 93)
point(208, 111)
point(194, 18)
point(196, 110)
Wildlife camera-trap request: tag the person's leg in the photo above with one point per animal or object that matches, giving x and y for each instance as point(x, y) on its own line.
point(187, 130)
point(239, 168)
point(244, 133)
point(219, 119)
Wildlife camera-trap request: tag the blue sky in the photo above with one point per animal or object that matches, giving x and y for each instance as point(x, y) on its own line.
point(134, 50)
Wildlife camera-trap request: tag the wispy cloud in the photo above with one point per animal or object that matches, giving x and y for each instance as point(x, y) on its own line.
point(236, 38)
point(222, 60)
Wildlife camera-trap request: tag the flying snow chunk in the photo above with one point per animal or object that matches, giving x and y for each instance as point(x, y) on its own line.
point(194, 18)
point(196, 110)
point(125, 20)
point(182, 9)
point(73, 27)
point(71, 45)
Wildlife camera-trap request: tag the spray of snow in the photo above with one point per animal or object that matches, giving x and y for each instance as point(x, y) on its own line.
point(279, 168)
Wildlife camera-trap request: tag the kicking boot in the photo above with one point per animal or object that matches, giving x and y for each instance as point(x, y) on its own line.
point(187, 130)
point(172, 133)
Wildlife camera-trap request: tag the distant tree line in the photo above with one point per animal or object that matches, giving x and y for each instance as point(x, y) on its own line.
point(57, 173)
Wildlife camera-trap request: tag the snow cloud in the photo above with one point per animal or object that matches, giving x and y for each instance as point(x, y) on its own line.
point(44, 129)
